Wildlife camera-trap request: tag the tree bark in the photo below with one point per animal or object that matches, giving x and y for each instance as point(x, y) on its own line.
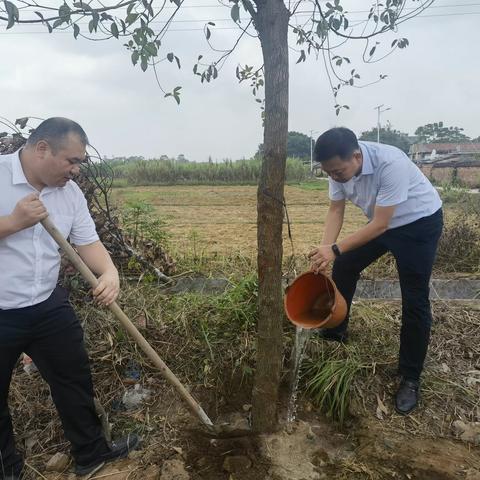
point(271, 22)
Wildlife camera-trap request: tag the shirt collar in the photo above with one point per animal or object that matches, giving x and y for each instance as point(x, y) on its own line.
point(367, 168)
point(18, 175)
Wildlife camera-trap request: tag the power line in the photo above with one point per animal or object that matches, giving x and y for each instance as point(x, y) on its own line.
point(223, 28)
point(40, 9)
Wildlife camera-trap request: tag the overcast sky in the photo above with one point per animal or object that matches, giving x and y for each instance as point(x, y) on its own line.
point(124, 112)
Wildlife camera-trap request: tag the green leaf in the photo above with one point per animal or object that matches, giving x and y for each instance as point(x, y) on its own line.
point(178, 62)
point(235, 13)
point(135, 57)
point(151, 49)
point(76, 30)
point(64, 11)
point(302, 57)
point(12, 12)
point(148, 7)
point(21, 122)
point(208, 34)
point(83, 6)
point(170, 57)
point(114, 29)
point(131, 18)
point(57, 23)
point(144, 63)
point(372, 51)
point(336, 23)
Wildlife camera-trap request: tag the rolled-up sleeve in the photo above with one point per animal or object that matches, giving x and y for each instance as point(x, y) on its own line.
point(335, 190)
point(393, 183)
point(83, 229)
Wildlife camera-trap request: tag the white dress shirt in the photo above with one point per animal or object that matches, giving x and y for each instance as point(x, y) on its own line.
point(388, 178)
point(30, 258)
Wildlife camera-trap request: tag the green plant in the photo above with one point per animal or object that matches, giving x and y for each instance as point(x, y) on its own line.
point(167, 172)
point(141, 225)
point(329, 382)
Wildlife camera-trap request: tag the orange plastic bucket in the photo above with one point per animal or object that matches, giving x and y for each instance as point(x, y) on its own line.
point(313, 301)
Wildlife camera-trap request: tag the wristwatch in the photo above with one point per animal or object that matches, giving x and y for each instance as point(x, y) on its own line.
point(336, 250)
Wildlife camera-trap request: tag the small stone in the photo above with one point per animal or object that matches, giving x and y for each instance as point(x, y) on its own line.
point(247, 407)
point(389, 443)
point(238, 422)
point(321, 458)
point(202, 462)
point(174, 470)
point(468, 432)
point(58, 463)
point(445, 368)
point(135, 454)
point(133, 398)
point(472, 474)
point(151, 473)
point(236, 463)
point(140, 321)
point(310, 434)
point(179, 450)
point(458, 427)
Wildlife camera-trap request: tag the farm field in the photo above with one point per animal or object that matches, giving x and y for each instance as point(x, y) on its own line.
point(222, 219)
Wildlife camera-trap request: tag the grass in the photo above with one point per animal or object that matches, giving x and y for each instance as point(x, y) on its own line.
point(330, 383)
point(212, 230)
point(360, 378)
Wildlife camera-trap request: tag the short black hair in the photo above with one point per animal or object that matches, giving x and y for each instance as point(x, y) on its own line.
point(54, 131)
point(336, 142)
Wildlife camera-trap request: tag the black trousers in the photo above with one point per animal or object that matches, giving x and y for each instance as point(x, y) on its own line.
point(414, 247)
point(51, 335)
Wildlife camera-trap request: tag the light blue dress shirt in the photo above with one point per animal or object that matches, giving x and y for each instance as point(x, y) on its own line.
point(388, 178)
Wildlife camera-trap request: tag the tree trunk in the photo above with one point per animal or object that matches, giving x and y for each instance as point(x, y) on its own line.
point(271, 22)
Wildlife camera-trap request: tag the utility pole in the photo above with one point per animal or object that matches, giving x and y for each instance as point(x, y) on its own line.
point(311, 150)
point(379, 111)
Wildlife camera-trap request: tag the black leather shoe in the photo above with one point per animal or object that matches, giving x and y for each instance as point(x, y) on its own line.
point(406, 399)
point(13, 473)
point(118, 449)
point(332, 336)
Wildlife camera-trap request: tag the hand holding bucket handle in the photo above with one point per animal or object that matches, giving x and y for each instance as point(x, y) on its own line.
point(313, 301)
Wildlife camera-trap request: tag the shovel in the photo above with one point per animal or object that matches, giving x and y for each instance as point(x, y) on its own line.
point(212, 431)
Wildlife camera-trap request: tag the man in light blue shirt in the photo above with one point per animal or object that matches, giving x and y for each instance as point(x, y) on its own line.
point(404, 214)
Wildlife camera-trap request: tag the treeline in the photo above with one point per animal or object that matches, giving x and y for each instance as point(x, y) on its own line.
point(169, 172)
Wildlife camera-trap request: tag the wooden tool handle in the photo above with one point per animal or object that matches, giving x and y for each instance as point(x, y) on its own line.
point(88, 275)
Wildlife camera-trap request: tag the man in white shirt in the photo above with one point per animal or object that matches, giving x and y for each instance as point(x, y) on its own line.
point(404, 214)
point(35, 315)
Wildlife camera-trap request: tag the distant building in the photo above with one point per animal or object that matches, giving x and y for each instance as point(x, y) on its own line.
point(461, 169)
point(423, 151)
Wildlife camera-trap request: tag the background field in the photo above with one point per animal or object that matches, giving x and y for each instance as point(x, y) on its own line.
point(222, 219)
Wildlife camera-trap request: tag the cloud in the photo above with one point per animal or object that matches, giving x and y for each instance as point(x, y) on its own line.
point(124, 111)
